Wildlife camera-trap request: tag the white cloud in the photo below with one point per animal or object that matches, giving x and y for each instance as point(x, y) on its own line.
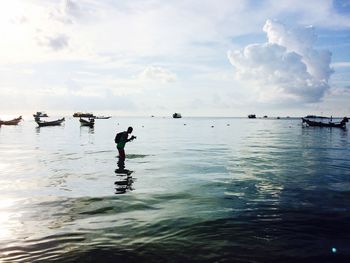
point(287, 66)
point(341, 65)
point(71, 8)
point(57, 42)
point(157, 74)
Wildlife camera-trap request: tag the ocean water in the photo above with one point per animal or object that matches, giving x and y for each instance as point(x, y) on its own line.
point(203, 190)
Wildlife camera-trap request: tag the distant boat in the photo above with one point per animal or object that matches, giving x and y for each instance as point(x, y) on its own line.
point(83, 114)
point(90, 123)
point(177, 115)
point(40, 114)
point(252, 116)
point(315, 117)
point(11, 122)
point(102, 117)
point(330, 124)
point(265, 116)
point(49, 123)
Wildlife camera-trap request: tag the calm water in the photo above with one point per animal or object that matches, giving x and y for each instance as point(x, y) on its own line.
point(244, 191)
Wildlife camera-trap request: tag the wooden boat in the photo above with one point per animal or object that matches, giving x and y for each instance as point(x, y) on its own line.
point(252, 116)
point(40, 114)
point(315, 117)
point(82, 114)
point(330, 124)
point(102, 117)
point(90, 123)
point(177, 115)
point(49, 123)
point(11, 122)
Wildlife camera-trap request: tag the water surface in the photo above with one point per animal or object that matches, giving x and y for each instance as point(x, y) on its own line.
point(203, 190)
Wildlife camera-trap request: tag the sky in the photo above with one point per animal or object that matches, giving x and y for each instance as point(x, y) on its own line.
point(154, 57)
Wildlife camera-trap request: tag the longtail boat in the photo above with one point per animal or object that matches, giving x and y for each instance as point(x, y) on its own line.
point(11, 122)
point(90, 123)
point(49, 123)
point(103, 117)
point(177, 115)
point(330, 124)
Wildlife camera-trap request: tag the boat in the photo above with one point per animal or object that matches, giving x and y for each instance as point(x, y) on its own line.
point(177, 115)
point(40, 114)
point(315, 117)
point(83, 114)
point(49, 123)
point(90, 123)
point(102, 117)
point(330, 124)
point(252, 116)
point(11, 122)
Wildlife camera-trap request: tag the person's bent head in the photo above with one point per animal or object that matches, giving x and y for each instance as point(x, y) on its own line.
point(130, 130)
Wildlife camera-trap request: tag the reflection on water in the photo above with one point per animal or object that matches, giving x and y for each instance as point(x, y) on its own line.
point(125, 180)
point(244, 190)
point(90, 130)
point(124, 184)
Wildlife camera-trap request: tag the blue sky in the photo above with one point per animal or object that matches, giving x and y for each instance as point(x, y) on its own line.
point(200, 58)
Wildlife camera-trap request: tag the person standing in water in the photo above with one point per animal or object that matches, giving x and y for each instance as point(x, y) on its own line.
point(121, 139)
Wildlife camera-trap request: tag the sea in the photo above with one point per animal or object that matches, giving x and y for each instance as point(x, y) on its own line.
point(202, 190)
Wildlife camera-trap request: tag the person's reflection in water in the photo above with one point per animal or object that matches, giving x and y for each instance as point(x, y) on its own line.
point(125, 182)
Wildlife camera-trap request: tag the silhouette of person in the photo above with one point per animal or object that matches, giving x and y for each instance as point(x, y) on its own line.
point(120, 146)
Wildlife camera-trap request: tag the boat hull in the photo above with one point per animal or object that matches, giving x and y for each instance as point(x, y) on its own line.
point(342, 124)
point(102, 117)
point(11, 122)
point(89, 123)
point(50, 123)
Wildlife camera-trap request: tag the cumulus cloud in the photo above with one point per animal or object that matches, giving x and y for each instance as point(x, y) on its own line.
point(56, 43)
point(66, 12)
point(71, 8)
point(157, 74)
point(287, 66)
point(20, 20)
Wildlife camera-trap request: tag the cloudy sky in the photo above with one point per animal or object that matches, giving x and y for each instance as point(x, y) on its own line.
point(154, 57)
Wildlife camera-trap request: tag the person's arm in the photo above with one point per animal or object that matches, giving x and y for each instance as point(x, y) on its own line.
point(131, 138)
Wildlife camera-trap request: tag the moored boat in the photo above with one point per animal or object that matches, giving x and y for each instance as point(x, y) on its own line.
point(252, 116)
point(102, 117)
point(40, 114)
point(330, 124)
point(11, 122)
point(83, 114)
point(90, 123)
point(177, 115)
point(49, 123)
point(315, 117)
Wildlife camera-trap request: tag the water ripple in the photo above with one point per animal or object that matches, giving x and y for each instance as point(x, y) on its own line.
point(253, 191)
